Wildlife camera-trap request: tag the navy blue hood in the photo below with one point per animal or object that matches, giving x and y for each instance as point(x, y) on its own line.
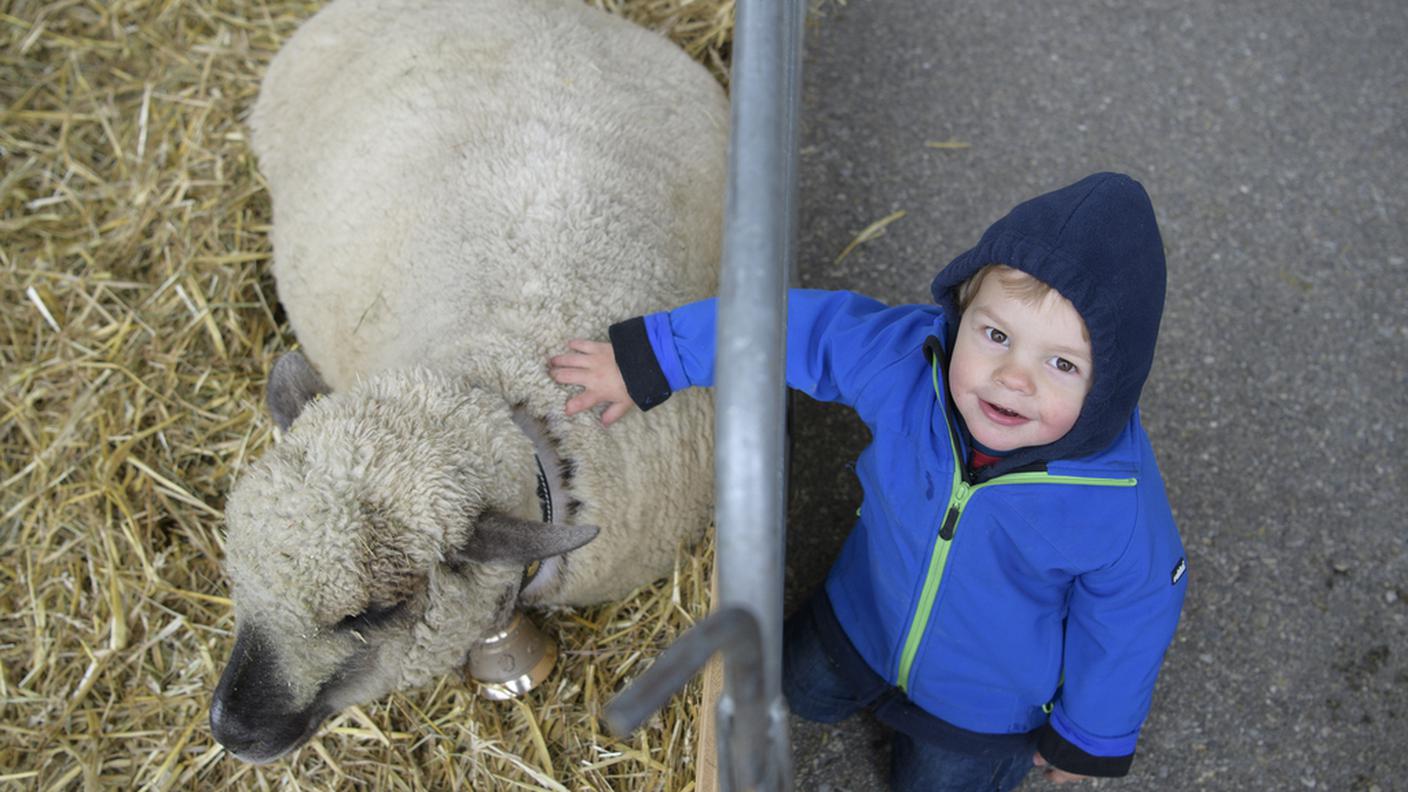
point(1096, 242)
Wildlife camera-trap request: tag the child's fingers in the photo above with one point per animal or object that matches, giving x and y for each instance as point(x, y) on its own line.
point(580, 403)
point(568, 376)
point(589, 365)
point(570, 360)
point(1059, 776)
point(614, 413)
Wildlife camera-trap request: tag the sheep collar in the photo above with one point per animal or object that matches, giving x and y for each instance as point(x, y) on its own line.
point(551, 493)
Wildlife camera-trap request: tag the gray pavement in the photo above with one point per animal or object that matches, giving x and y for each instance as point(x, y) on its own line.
point(1273, 138)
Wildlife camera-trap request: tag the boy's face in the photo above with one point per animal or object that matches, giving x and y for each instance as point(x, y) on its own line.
point(1019, 372)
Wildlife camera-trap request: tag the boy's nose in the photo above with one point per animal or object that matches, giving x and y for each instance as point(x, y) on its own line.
point(1014, 378)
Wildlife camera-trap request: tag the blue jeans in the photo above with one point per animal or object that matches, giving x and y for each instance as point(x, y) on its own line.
point(827, 681)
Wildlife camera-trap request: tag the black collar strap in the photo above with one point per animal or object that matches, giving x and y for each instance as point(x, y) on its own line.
point(549, 489)
point(550, 485)
point(544, 490)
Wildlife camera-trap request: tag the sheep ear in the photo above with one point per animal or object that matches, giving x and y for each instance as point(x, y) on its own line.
point(292, 384)
point(498, 537)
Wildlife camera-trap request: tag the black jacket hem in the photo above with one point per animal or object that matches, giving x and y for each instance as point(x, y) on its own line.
point(1068, 756)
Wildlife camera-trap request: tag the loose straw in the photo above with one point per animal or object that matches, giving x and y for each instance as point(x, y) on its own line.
point(140, 322)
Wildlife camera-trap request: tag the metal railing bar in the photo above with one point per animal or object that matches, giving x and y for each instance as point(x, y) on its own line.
point(750, 396)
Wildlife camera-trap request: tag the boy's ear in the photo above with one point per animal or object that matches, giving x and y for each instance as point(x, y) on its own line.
point(292, 384)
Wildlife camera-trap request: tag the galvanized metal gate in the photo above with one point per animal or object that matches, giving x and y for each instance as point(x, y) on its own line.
point(760, 232)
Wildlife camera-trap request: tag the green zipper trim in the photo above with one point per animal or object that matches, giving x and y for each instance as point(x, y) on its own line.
point(962, 491)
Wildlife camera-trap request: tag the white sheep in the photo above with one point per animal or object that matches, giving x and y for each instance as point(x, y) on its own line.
point(458, 186)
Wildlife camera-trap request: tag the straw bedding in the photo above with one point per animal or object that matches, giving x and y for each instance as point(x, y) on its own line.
point(139, 322)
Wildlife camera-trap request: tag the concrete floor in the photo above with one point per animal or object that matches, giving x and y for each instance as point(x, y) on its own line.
point(1273, 139)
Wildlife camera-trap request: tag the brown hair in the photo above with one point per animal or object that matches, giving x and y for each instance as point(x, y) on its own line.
point(1019, 284)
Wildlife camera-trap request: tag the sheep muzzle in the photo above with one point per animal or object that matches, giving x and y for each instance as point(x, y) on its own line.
point(249, 713)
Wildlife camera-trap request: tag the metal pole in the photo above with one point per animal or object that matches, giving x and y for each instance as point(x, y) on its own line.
point(750, 396)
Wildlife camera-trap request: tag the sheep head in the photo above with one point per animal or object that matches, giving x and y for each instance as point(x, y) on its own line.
point(371, 548)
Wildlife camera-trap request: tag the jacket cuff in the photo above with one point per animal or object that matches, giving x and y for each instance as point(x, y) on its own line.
point(1070, 757)
point(661, 334)
point(645, 381)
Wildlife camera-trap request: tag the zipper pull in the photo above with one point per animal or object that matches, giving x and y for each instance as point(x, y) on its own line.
point(961, 491)
point(950, 520)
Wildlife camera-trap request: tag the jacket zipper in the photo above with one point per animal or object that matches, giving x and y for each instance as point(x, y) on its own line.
point(961, 492)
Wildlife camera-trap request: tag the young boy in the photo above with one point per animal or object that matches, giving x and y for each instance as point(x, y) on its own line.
point(1015, 576)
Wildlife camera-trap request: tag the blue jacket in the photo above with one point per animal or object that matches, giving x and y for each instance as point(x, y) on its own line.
point(1042, 596)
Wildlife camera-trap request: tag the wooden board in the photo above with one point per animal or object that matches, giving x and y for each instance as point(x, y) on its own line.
point(706, 769)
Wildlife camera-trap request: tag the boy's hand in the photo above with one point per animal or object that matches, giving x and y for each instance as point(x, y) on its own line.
point(1053, 773)
point(592, 365)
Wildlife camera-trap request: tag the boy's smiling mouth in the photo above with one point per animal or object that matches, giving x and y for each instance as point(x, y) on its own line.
point(1001, 415)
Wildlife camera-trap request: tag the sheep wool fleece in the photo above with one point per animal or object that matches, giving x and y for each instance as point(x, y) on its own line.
point(1042, 593)
point(457, 186)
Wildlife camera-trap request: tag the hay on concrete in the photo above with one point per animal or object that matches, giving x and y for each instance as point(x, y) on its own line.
point(868, 233)
point(138, 327)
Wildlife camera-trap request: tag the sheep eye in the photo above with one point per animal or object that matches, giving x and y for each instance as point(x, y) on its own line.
point(374, 616)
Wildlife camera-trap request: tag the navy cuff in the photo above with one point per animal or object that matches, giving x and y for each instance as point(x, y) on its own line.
point(1070, 757)
point(645, 381)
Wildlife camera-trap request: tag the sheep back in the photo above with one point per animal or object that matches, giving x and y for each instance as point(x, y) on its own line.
point(461, 186)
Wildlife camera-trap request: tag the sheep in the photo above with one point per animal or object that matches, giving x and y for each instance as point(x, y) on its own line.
point(458, 186)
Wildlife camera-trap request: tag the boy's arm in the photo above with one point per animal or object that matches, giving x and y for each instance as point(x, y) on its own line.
point(836, 344)
point(1119, 625)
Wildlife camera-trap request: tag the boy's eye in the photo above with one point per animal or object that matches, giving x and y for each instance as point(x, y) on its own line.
point(1064, 366)
point(994, 335)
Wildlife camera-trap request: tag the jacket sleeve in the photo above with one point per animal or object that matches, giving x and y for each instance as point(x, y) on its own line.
point(836, 343)
point(1119, 625)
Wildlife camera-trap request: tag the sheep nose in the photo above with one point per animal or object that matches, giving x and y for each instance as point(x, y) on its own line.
point(229, 730)
point(245, 714)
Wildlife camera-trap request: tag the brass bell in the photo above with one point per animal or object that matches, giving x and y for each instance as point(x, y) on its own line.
point(513, 661)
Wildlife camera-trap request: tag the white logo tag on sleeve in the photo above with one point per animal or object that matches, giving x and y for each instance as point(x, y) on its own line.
point(1178, 571)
